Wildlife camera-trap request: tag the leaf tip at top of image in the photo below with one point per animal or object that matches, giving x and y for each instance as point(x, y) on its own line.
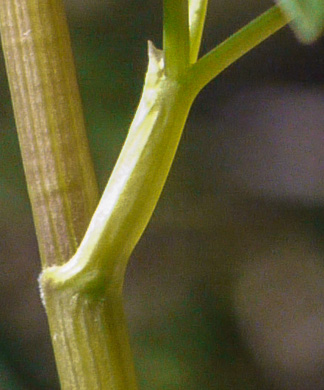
point(307, 18)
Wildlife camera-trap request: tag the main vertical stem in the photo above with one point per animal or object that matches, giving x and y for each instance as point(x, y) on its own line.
point(59, 172)
point(90, 339)
point(89, 335)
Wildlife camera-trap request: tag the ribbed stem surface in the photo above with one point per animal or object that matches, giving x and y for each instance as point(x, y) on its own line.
point(89, 334)
point(59, 171)
point(90, 337)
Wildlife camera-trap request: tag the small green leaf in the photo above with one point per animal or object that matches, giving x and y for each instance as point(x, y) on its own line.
point(307, 17)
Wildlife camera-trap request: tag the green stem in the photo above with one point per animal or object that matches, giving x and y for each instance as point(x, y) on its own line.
point(197, 16)
point(59, 172)
point(233, 48)
point(83, 295)
point(141, 170)
point(91, 340)
point(134, 186)
point(88, 333)
point(176, 36)
point(97, 269)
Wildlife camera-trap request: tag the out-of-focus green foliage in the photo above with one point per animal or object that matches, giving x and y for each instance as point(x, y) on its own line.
point(110, 90)
point(193, 347)
point(308, 17)
point(8, 379)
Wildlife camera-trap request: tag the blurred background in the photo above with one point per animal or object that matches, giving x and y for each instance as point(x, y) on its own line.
point(226, 288)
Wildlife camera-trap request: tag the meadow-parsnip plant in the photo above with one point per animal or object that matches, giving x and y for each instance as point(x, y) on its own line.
point(85, 243)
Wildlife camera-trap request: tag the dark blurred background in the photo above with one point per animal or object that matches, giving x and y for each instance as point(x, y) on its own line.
point(226, 288)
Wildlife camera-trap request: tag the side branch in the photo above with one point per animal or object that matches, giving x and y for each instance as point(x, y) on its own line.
point(233, 48)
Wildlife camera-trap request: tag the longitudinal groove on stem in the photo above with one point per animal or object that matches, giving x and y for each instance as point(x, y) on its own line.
point(67, 343)
point(58, 167)
point(28, 107)
point(97, 330)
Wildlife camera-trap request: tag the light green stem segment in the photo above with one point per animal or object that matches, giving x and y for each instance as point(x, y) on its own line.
point(141, 170)
point(176, 44)
point(183, 22)
point(90, 341)
point(89, 286)
point(236, 46)
point(197, 16)
point(97, 269)
point(134, 186)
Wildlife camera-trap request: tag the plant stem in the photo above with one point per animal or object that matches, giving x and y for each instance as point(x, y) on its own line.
point(134, 186)
point(141, 170)
point(91, 340)
point(233, 48)
point(82, 295)
point(175, 36)
point(197, 16)
point(97, 269)
point(58, 168)
point(89, 334)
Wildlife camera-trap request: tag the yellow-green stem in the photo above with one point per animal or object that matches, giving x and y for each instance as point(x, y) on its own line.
point(142, 168)
point(237, 45)
point(96, 272)
point(197, 16)
point(135, 185)
point(83, 295)
point(89, 335)
point(176, 44)
point(90, 339)
point(59, 172)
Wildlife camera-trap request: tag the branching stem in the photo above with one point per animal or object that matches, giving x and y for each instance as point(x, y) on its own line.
point(82, 284)
point(233, 48)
